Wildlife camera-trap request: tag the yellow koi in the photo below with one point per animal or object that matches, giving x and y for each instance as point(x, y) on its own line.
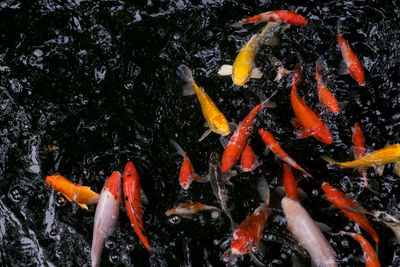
point(215, 119)
point(386, 155)
point(243, 67)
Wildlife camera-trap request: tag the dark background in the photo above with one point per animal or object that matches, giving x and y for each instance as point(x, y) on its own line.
point(98, 80)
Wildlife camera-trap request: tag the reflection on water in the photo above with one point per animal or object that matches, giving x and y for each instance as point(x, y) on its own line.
point(98, 80)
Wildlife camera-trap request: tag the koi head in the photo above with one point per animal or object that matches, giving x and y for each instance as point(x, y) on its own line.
point(185, 182)
point(113, 185)
point(324, 135)
point(241, 75)
point(52, 180)
point(296, 19)
point(242, 242)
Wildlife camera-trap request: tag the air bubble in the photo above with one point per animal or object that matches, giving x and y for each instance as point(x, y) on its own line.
point(175, 219)
point(15, 194)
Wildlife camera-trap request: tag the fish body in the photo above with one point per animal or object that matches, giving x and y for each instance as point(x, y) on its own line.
point(106, 215)
point(308, 234)
point(325, 95)
point(359, 149)
point(218, 184)
point(81, 195)
point(215, 119)
point(239, 138)
point(248, 160)
point(186, 173)
point(249, 232)
point(283, 16)
point(342, 202)
point(289, 182)
point(310, 122)
point(390, 221)
point(353, 65)
point(133, 204)
point(188, 209)
point(371, 259)
point(270, 141)
point(386, 155)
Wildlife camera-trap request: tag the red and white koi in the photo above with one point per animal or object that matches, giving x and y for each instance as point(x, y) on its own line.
point(188, 209)
point(106, 215)
point(133, 203)
point(270, 141)
point(186, 174)
point(238, 140)
point(248, 160)
point(352, 65)
point(309, 122)
point(283, 16)
point(308, 234)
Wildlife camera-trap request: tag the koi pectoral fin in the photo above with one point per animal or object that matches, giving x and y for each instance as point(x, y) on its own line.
point(303, 133)
point(380, 170)
point(397, 168)
point(83, 206)
point(295, 122)
point(204, 135)
point(225, 70)
point(255, 73)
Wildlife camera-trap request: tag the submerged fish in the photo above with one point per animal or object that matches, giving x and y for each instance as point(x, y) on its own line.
point(106, 215)
point(133, 203)
point(289, 182)
point(243, 67)
point(386, 155)
point(308, 234)
point(218, 184)
point(283, 16)
point(186, 174)
point(239, 138)
point(351, 64)
point(342, 202)
point(188, 209)
point(81, 195)
point(216, 121)
point(325, 95)
point(249, 232)
point(359, 150)
point(309, 122)
point(371, 259)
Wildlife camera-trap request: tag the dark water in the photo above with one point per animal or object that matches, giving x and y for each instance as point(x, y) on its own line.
point(98, 80)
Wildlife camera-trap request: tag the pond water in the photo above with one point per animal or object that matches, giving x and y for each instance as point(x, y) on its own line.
point(98, 81)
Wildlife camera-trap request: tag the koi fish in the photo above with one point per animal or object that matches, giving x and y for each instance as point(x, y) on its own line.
point(238, 140)
point(243, 67)
point(133, 204)
point(351, 64)
point(215, 119)
point(280, 69)
point(186, 174)
point(371, 259)
point(270, 141)
point(359, 150)
point(81, 195)
point(289, 182)
point(106, 215)
point(342, 202)
point(249, 233)
point(308, 234)
point(218, 184)
point(386, 155)
point(325, 95)
point(248, 160)
point(283, 16)
point(309, 122)
point(188, 209)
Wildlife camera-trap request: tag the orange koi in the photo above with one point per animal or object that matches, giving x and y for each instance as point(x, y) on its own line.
point(81, 195)
point(352, 64)
point(359, 149)
point(249, 232)
point(325, 95)
point(188, 209)
point(270, 141)
point(309, 122)
point(341, 201)
point(186, 174)
point(371, 259)
point(248, 159)
point(131, 186)
point(238, 140)
point(283, 16)
point(289, 182)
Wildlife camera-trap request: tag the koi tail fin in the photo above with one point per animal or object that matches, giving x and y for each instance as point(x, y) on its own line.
point(238, 24)
point(269, 104)
point(263, 190)
point(178, 148)
point(186, 75)
point(329, 159)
